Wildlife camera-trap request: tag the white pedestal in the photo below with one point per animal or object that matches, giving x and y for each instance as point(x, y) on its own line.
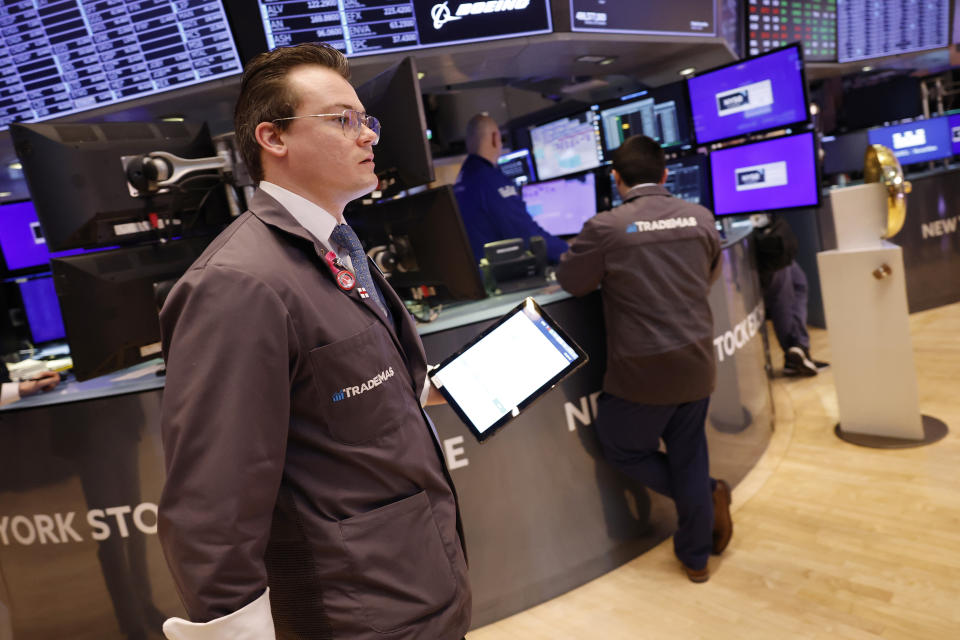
point(869, 332)
point(859, 215)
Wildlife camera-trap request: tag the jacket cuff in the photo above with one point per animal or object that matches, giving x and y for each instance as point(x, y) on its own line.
point(252, 622)
point(9, 392)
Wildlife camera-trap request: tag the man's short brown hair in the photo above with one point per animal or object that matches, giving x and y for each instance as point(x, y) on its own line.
point(265, 95)
point(639, 160)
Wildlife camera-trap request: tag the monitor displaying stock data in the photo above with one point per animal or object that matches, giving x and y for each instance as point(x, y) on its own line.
point(562, 205)
point(774, 23)
point(780, 173)
point(59, 57)
point(567, 145)
point(518, 166)
point(872, 29)
point(364, 27)
point(662, 114)
point(678, 17)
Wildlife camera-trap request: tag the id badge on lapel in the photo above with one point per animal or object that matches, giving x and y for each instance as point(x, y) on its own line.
point(343, 276)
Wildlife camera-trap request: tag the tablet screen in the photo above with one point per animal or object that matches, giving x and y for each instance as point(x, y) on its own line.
point(506, 368)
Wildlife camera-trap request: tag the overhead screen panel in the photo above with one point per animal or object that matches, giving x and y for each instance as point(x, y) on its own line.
point(780, 173)
point(376, 26)
point(678, 17)
point(59, 57)
point(754, 95)
point(871, 29)
point(918, 141)
point(774, 23)
point(567, 145)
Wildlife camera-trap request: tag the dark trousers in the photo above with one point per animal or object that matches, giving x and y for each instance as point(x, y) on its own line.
point(630, 434)
point(785, 299)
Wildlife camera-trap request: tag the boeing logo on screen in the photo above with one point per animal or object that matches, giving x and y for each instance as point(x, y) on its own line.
point(441, 13)
point(352, 392)
point(906, 139)
point(761, 176)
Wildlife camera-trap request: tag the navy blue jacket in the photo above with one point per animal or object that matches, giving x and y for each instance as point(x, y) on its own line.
point(492, 209)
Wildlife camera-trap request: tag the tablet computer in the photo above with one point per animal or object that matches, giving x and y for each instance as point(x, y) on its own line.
point(506, 368)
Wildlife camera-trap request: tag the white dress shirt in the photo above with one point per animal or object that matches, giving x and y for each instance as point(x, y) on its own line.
point(10, 392)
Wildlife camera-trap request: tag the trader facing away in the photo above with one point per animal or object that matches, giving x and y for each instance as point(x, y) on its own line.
point(490, 204)
point(655, 258)
point(306, 494)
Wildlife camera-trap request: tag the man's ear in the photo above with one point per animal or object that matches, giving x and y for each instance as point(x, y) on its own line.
point(617, 180)
point(270, 139)
point(663, 178)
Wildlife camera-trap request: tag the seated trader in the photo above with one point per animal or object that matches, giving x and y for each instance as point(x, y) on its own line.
point(655, 258)
point(490, 204)
point(13, 391)
point(306, 494)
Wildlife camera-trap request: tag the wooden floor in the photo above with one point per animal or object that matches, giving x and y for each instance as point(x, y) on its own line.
point(830, 540)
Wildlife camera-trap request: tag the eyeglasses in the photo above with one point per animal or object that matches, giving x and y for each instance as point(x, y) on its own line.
point(351, 121)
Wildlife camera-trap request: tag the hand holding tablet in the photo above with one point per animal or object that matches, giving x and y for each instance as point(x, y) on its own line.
point(506, 368)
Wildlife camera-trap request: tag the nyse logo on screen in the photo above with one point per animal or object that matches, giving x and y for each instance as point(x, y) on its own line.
point(761, 176)
point(746, 98)
point(956, 135)
point(442, 14)
point(906, 139)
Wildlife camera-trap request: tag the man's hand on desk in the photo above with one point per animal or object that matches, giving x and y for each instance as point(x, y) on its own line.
point(45, 381)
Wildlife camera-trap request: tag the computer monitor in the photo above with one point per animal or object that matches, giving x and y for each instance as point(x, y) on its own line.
point(870, 29)
point(954, 123)
point(562, 205)
point(518, 166)
point(662, 114)
point(688, 178)
point(419, 241)
point(42, 308)
point(108, 304)
point(79, 185)
point(750, 96)
point(780, 173)
point(567, 145)
point(22, 243)
point(918, 141)
point(402, 157)
point(844, 153)
point(810, 22)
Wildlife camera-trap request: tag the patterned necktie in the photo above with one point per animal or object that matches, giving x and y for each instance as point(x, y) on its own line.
point(347, 239)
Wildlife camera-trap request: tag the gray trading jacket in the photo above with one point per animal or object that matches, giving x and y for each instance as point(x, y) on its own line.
point(655, 257)
point(340, 502)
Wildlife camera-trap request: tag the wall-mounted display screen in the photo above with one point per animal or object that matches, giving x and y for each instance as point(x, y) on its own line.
point(774, 23)
point(871, 29)
point(688, 179)
point(567, 145)
point(844, 153)
point(58, 58)
point(954, 124)
point(662, 114)
point(518, 166)
point(22, 242)
point(918, 141)
point(780, 173)
point(561, 206)
point(754, 95)
point(679, 17)
point(363, 27)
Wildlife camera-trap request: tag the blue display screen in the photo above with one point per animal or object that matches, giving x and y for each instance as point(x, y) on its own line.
point(758, 94)
point(21, 238)
point(919, 141)
point(42, 308)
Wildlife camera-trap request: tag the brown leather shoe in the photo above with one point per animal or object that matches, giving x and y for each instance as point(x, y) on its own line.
point(697, 575)
point(722, 522)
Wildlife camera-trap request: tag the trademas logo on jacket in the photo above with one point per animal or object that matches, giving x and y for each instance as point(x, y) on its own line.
point(661, 225)
point(375, 381)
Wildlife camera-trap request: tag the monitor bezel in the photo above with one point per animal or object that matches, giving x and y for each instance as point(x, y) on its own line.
point(816, 177)
point(650, 92)
point(745, 134)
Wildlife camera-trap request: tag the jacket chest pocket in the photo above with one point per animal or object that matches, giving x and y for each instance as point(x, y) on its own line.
point(362, 384)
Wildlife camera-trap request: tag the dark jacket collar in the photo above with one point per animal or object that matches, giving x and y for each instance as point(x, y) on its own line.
point(652, 190)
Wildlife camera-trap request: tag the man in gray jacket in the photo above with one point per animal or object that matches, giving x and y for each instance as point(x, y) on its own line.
point(306, 495)
point(655, 258)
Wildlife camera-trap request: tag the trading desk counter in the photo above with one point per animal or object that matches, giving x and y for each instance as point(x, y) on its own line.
point(81, 471)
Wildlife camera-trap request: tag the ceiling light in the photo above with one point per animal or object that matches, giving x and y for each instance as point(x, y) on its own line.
point(607, 61)
point(16, 166)
point(172, 118)
point(5, 194)
point(686, 73)
point(592, 59)
point(867, 69)
point(421, 75)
